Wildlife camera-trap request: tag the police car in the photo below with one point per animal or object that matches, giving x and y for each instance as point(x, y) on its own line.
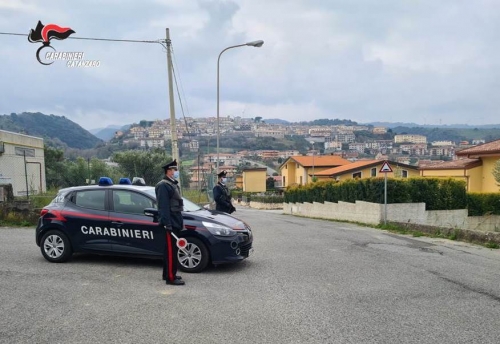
point(122, 219)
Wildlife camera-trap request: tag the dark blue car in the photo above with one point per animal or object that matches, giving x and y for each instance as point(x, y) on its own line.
point(122, 220)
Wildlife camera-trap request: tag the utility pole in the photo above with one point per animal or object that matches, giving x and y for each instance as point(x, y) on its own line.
point(173, 126)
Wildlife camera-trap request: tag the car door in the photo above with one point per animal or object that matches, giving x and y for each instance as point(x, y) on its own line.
point(86, 217)
point(137, 234)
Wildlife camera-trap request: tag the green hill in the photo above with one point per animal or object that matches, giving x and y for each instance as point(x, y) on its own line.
point(57, 131)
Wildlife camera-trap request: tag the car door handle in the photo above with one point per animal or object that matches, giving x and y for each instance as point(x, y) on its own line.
point(117, 223)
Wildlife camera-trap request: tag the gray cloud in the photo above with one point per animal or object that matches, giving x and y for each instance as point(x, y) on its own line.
point(425, 62)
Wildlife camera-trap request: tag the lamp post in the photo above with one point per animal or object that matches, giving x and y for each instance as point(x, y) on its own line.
point(256, 44)
point(313, 152)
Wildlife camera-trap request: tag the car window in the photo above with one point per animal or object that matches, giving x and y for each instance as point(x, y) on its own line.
point(130, 202)
point(61, 195)
point(92, 199)
point(188, 205)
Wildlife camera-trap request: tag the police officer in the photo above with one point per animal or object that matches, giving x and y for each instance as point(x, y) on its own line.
point(222, 196)
point(170, 205)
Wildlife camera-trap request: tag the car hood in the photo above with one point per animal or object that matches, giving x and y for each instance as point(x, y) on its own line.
point(216, 216)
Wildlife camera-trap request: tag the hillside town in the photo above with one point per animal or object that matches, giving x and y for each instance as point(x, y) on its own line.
point(344, 141)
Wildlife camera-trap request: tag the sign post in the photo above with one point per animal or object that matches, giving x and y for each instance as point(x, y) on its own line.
point(384, 169)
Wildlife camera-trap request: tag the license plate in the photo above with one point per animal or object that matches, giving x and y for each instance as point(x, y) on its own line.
point(250, 253)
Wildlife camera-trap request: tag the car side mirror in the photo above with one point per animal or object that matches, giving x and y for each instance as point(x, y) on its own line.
point(152, 212)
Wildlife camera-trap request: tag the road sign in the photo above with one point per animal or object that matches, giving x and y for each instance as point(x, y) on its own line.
point(385, 168)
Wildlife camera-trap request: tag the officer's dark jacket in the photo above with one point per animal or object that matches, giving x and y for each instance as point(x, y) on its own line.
point(222, 198)
point(170, 203)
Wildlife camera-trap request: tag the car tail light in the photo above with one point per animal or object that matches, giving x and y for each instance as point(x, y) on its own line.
point(190, 227)
point(44, 211)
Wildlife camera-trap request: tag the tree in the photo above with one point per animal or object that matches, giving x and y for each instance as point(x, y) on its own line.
point(55, 168)
point(270, 183)
point(145, 164)
point(496, 172)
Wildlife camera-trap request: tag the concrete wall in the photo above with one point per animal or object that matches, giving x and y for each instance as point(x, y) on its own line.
point(26, 176)
point(408, 213)
point(254, 180)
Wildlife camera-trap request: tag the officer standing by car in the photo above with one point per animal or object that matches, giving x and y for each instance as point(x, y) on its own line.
point(170, 205)
point(222, 196)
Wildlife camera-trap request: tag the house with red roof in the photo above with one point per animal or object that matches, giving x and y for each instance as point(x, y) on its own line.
point(475, 166)
point(300, 169)
point(367, 169)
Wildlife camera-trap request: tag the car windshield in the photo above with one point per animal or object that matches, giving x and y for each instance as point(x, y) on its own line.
point(188, 205)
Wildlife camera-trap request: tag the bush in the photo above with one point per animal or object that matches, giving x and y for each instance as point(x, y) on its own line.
point(437, 194)
point(268, 199)
point(480, 204)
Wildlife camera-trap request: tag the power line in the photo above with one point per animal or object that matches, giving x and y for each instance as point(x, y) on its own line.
point(92, 39)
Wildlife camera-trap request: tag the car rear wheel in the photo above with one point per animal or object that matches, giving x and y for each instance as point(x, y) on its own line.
point(194, 257)
point(56, 247)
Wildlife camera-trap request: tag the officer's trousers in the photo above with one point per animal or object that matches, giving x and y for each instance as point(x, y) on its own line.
point(170, 260)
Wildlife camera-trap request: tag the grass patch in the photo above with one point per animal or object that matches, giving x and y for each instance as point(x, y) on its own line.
point(417, 234)
point(492, 245)
point(195, 196)
point(393, 228)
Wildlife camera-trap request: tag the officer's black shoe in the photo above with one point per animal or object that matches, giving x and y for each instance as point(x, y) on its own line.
point(176, 282)
point(176, 277)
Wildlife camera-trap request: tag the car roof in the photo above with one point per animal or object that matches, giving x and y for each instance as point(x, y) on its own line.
point(117, 186)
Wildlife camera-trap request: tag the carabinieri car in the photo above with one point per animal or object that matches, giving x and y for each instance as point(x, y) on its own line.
point(122, 220)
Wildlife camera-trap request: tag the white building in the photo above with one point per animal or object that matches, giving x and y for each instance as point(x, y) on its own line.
point(410, 138)
point(22, 163)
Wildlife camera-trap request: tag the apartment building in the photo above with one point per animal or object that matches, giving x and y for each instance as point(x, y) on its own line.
point(410, 138)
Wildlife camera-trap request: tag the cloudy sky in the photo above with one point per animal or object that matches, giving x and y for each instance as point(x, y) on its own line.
point(421, 61)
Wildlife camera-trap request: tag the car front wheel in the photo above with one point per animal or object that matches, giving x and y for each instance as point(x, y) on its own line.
point(55, 247)
point(194, 257)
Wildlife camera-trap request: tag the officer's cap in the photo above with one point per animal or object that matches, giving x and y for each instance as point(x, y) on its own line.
point(170, 165)
point(222, 174)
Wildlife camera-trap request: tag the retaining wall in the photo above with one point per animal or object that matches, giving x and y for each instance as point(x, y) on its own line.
point(407, 213)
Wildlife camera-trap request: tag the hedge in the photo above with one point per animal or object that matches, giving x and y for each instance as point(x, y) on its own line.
point(483, 203)
point(437, 194)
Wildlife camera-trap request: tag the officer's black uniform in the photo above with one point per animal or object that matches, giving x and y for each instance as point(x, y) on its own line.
point(170, 205)
point(222, 196)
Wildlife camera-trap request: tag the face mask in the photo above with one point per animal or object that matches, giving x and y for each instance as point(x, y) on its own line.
point(224, 180)
point(176, 174)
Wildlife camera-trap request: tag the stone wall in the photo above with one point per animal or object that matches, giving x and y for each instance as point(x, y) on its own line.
point(406, 213)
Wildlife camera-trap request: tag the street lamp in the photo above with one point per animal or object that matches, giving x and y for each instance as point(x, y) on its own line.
point(313, 153)
point(256, 44)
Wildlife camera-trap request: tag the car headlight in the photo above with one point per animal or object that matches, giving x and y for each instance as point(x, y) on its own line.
point(217, 229)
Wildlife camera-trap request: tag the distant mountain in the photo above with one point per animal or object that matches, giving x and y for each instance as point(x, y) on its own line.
point(108, 133)
point(56, 131)
point(443, 126)
point(276, 121)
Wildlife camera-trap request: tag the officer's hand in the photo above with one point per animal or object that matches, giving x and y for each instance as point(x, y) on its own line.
point(168, 228)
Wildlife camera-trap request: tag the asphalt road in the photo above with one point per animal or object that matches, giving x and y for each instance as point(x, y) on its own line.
point(309, 281)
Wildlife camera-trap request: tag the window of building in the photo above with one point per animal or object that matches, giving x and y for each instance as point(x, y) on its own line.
point(404, 174)
point(356, 175)
point(30, 152)
point(374, 172)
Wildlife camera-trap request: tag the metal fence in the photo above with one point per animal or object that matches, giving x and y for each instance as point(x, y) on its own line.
point(24, 171)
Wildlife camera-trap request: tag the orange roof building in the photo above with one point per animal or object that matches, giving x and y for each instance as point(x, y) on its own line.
point(475, 166)
point(299, 169)
point(368, 169)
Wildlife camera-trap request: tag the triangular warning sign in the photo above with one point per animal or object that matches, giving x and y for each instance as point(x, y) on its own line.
point(385, 167)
